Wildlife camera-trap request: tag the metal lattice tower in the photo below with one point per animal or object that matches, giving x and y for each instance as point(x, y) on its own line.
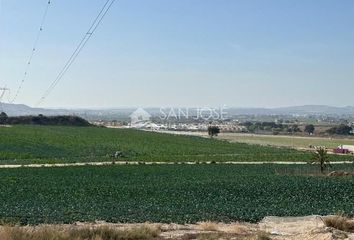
point(3, 90)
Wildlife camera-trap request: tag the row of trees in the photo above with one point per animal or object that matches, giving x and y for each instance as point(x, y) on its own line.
point(276, 128)
point(294, 128)
point(340, 130)
point(44, 120)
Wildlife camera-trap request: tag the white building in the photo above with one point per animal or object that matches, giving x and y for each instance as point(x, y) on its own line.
point(139, 115)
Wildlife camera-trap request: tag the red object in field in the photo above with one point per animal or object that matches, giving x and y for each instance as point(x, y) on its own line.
point(341, 150)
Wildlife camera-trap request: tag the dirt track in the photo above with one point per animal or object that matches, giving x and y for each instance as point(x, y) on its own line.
point(147, 163)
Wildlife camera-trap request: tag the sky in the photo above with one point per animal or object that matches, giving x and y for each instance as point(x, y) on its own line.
point(161, 53)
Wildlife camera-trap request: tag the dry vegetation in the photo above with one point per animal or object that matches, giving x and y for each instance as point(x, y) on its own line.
point(340, 222)
point(110, 231)
point(276, 228)
point(84, 233)
point(208, 226)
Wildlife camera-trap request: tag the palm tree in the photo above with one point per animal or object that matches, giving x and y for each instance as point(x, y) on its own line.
point(321, 156)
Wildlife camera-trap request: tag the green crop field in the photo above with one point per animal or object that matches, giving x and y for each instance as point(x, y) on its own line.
point(168, 193)
point(45, 144)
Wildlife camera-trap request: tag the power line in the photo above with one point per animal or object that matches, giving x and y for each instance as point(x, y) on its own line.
point(1, 10)
point(78, 49)
point(1, 7)
point(25, 74)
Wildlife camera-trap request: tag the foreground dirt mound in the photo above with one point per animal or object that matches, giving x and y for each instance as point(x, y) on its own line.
point(306, 228)
point(277, 228)
point(289, 226)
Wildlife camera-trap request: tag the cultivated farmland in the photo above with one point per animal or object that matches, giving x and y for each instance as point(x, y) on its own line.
point(44, 144)
point(168, 193)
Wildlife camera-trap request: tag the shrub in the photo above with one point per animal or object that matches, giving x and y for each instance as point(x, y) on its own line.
point(340, 222)
point(86, 233)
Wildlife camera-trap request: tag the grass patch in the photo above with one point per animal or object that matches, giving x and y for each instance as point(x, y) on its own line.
point(288, 140)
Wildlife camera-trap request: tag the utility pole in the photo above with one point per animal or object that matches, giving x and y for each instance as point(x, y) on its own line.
point(3, 90)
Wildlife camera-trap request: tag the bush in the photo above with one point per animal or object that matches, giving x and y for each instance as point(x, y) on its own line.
point(340, 222)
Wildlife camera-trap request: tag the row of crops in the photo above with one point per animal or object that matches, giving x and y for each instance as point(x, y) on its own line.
point(168, 193)
point(43, 144)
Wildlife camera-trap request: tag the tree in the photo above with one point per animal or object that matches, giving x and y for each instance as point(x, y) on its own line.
point(321, 157)
point(310, 129)
point(213, 131)
point(340, 130)
point(3, 118)
point(294, 129)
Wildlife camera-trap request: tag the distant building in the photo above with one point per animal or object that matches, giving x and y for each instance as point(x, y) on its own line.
point(139, 115)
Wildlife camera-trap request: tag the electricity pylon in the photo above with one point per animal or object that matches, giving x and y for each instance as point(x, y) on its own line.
point(3, 90)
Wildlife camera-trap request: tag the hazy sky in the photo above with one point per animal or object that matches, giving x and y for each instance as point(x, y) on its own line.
point(243, 53)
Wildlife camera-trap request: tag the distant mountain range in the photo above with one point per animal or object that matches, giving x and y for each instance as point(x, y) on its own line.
point(295, 110)
point(21, 109)
point(89, 114)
